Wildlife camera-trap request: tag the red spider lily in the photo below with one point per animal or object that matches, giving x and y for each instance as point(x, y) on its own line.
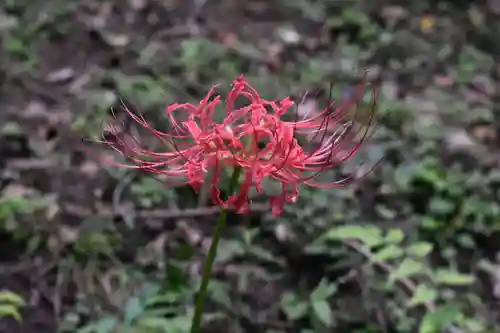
point(255, 138)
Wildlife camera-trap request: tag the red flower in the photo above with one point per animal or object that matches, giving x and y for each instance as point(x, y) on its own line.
point(254, 138)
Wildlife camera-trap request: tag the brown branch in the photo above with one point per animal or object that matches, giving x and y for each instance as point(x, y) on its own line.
point(82, 212)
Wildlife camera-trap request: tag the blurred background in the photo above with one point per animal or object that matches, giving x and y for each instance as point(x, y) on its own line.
point(89, 248)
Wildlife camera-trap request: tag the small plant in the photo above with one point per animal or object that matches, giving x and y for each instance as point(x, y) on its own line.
point(252, 144)
point(315, 307)
point(154, 312)
point(406, 263)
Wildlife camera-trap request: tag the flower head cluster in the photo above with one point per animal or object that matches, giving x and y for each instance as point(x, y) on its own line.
point(262, 139)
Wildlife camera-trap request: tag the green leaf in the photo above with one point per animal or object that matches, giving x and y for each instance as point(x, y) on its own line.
point(475, 324)
point(176, 277)
point(263, 254)
point(394, 236)
point(389, 252)
point(435, 322)
point(430, 324)
point(170, 325)
point(407, 268)
point(383, 211)
point(466, 241)
point(323, 313)
point(133, 308)
point(423, 294)
point(218, 293)
point(487, 266)
point(440, 206)
point(419, 249)
point(454, 278)
point(368, 235)
point(105, 325)
point(163, 298)
point(9, 311)
point(155, 323)
point(228, 249)
point(10, 297)
point(323, 290)
point(293, 307)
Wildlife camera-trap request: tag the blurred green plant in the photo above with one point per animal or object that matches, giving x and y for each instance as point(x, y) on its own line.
point(407, 263)
point(453, 203)
point(154, 311)
point(11, 305)
point(315, 307)
point(14, 211)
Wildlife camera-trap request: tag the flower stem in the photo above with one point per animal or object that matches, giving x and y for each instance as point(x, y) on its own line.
point(212, 252)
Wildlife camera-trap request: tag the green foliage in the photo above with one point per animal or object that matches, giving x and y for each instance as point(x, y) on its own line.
point(14, 212)
point(407, 262)
point(153, 310)
point(449, 210)
point(10, 305)
point(315, 307)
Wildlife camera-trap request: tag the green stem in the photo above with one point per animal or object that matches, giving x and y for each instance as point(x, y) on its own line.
point(212, 252)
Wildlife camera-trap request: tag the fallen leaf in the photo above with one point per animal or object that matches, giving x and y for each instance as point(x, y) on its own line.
point(484, 133)
point(61, 75)
point(17, 191)
point(67, 234)
point(427, 23)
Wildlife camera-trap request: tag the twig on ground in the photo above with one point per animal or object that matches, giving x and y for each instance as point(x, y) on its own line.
point(28, 164)
point(82, 212)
